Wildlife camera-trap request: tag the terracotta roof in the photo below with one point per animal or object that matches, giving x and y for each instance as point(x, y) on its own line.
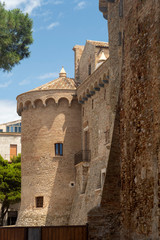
point(59, 83)
point(98, 43)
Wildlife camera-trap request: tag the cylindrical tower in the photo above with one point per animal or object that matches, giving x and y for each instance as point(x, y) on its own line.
point(51, 128)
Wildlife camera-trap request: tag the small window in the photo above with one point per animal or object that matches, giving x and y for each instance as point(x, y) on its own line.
point(39, 202)
point(15, 129)
point(103, 175)
point(119, 39)
point(83, 112)
point(92, 103)
point(89, 69)
point(7, 129)
point(104, 94)
point(59, 149)
point(1, 130)
point(121, 8)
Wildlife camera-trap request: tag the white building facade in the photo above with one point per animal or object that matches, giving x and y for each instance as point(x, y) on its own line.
point(10, 139)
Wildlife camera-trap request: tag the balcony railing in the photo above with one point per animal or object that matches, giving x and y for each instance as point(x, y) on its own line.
point(82, 156)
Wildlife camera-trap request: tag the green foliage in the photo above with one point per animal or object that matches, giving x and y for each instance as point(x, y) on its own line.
point(15, 37)
point(10, 183)
point(16, 159)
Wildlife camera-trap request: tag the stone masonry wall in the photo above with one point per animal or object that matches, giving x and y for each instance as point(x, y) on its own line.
point(139, 136)
point(96, 124)
point(78, 50)
point(104, 221)
point(43, 173)
point(140, 121)
point(90, 55)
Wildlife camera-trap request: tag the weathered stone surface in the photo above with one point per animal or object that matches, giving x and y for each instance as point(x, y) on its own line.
point(139, 135)
point(140, 120)
point(44, 173)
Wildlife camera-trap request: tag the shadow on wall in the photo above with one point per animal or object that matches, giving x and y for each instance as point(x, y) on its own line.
point(104, 221)
point(63, 188)
point(44, 173)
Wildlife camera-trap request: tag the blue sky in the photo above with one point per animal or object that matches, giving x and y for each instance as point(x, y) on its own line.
point(58, 25)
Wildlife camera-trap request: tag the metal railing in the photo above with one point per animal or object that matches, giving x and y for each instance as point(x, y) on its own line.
point(82, 156)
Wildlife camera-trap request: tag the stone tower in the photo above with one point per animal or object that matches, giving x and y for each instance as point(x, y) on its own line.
point(50, 138)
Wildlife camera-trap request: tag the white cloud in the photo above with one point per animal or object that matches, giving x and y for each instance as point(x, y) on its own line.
point(5, 84)
point(52, 25)
point(32, 5)
point(48, 75)
point(26, 5)
point(10, 4)
point(8, 111)
point(24, 82)
point(80, 5)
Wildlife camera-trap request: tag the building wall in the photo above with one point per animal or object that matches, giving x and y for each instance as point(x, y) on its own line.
point(140, 121)
point(43, 173)
point(130, 200)
point(3, 127)
point(104, 220)
point(96, 124)
point(10, 126)
point(6, 139)
point(78, 50)
point(90, 55)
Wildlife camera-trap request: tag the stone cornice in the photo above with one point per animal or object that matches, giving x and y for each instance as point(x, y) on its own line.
point(98, 78)
point(103, 7)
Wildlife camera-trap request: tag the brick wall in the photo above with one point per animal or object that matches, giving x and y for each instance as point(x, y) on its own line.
point(104, 221)
point(43, 173)
point(90, 56)
point(96, 124)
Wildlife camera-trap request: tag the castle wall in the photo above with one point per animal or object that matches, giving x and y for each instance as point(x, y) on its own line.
point(104, 220)
point(90, 56)
point(130, 200)
point(78, 50)
point(43, 173)
point(140, 121)
point(96, 124)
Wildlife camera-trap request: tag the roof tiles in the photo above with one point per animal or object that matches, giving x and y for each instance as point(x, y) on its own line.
point(59, 83)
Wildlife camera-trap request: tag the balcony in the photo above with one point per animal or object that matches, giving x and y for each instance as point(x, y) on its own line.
point(82, 156)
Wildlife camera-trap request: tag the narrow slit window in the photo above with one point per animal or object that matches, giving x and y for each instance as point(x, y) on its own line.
point(39, 202)
point(92, 103)
point(89, 69)
point(59, 149)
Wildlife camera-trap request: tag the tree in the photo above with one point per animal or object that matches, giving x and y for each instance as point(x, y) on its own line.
point(15, 37)
point(10, 183)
